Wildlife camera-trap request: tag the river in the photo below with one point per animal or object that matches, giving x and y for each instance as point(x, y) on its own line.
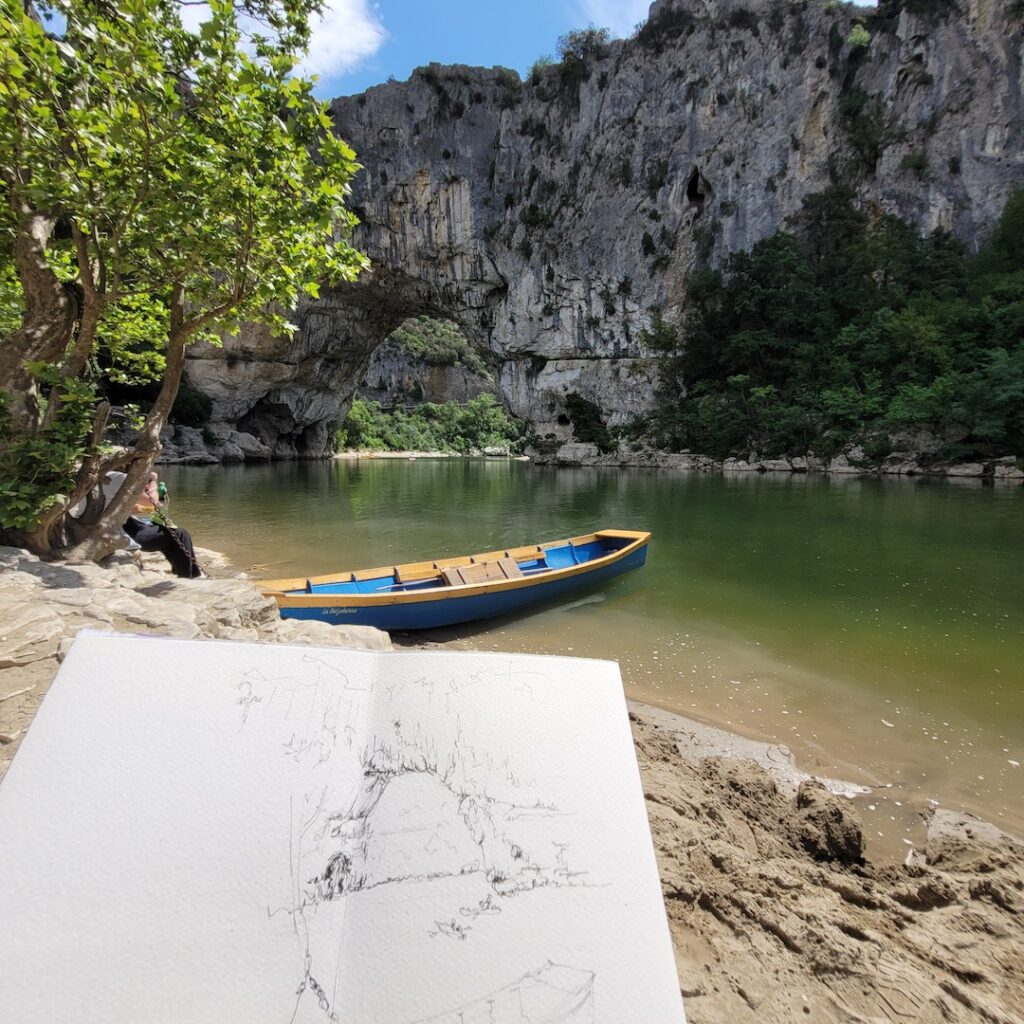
point(874, 627)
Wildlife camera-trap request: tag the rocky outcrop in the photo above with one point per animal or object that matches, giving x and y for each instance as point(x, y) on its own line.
point(548, 217)
point(851, 462)
point(396, 377)
point(190, 446)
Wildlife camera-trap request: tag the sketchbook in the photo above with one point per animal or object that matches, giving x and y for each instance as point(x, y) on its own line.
point(200, 831)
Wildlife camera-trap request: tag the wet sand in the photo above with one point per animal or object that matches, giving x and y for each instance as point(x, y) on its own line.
point(775, 918)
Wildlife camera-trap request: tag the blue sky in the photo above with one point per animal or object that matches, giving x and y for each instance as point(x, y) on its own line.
point(361, 43)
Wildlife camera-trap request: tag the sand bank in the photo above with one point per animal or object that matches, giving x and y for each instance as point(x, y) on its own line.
point(775, 917)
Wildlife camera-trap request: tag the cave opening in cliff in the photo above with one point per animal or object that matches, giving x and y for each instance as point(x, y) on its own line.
point(697, 189)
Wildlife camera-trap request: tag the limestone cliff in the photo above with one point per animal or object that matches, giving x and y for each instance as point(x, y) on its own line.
point(548, 217)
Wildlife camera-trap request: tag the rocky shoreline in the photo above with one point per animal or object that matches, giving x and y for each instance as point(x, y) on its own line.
point(221, 444)
point(850, 462)
point(775, 914)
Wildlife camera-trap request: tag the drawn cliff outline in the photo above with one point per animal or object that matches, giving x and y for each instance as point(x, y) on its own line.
point(421, 813)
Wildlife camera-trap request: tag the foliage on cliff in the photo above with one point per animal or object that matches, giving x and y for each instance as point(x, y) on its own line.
point(849, 330)
point(448, 427)
point(158, 184)
point(438, 343)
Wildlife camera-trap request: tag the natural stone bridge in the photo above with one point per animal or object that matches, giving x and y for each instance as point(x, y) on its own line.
point(548, 218)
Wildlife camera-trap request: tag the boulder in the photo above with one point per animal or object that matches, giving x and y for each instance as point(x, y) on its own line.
point(1007, 471)
point(252, 448)
point(230, 453)
point(966, 469)
point(576, 453)
point(188, 447)
point(841, 464)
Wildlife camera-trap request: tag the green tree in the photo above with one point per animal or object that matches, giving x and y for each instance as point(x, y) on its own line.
point(446, 426)
point(845, 332)
point(159, 185)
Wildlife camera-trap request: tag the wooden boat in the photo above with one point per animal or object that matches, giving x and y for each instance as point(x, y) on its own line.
point(424, 595)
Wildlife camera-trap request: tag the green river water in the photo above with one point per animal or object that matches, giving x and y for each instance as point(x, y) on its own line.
point(876, 628)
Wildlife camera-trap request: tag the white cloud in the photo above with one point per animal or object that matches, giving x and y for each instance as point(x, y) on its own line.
point(621, 16)
point(347, 32)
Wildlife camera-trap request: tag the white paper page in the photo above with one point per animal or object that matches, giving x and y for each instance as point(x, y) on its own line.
point(199, 831)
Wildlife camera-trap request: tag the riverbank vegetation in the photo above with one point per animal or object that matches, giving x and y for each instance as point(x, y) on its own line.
point(160, 184)
point(449, 427)
point(849, 330)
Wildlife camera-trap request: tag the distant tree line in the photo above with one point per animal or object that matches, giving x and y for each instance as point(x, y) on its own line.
point(848, 329)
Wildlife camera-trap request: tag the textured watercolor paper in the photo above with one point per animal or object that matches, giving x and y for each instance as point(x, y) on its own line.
point(214, 831)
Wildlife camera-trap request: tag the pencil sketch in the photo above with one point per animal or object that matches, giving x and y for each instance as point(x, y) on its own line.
point(552, 994)
point(407, 806)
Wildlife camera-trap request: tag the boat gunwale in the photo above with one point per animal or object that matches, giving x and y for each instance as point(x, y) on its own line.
point(278, 588)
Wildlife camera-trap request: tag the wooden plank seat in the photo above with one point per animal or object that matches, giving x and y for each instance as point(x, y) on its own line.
point(415, 573)
point(481, 572)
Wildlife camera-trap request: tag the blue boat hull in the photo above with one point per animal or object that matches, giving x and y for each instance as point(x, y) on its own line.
point(451, 610)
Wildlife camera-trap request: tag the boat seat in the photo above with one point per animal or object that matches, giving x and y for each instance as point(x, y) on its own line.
point(510, 568)
point(407, 574)
point(451, 576)
point(309, 586)
point(481, 572)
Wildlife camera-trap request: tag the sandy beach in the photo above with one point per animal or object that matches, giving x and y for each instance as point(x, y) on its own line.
point(775, 913)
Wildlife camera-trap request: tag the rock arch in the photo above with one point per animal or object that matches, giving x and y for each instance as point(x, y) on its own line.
point(529, 214)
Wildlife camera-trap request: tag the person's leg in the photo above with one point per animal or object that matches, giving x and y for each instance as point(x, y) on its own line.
point(149, 536)
point(180, 552)
point(173, 543)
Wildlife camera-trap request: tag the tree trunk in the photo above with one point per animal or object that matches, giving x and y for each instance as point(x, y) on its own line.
point(107, 535)
point(51, 312)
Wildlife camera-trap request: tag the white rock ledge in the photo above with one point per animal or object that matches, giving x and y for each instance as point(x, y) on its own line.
point(43, 605)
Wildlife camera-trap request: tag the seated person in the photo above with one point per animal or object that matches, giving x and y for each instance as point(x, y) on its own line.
point(152, 530)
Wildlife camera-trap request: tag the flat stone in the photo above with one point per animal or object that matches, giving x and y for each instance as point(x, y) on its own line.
point(322, 634)
point(27, 634)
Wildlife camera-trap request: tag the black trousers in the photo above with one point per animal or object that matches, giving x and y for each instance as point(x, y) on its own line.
point(174, 542)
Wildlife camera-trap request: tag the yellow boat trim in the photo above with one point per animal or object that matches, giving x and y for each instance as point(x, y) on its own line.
point(409, 570)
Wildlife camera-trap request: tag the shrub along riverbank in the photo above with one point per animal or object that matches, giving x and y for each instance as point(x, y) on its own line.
point(448, 426)
point(849, 331)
